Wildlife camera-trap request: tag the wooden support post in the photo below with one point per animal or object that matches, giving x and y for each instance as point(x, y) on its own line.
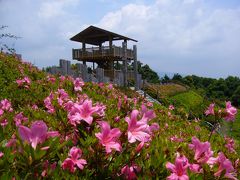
point(135, 67)
point(116, 65)
point(100, 49)
point(110, 45)
point(83, 48)
point(124, 47)
point(93, 65)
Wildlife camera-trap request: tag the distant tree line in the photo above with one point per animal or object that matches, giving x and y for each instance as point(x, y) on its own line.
point(221, 89)
point(147, 73)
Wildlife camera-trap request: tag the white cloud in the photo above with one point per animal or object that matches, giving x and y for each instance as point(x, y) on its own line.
point(180, 31)
point(189, 1)
point(54, 8)
point(135, 14)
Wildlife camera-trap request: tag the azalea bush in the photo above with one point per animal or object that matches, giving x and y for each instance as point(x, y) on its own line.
point(58, 126)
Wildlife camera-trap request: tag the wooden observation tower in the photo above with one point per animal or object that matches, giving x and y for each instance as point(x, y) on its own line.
point(106, 57)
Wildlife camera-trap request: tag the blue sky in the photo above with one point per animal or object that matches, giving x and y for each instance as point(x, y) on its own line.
point(199, 37)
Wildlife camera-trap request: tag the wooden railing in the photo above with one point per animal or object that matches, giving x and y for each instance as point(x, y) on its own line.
point(105, 51)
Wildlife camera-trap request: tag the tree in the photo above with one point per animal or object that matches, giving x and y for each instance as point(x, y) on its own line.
point(236, 97)
point(165, 79)
point(177, 77)
point(148, 74)
point(4, 46)
point(232, 84)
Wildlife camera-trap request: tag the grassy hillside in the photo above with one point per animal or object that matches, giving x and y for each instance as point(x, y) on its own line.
point(55, 127)
point(191, 101)
point(233, 129)
point(165, 90)
point(188, 99)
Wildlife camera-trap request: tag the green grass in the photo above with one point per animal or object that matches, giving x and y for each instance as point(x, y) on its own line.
point(234, 128)
point(193, 103)
point(166, 90)
point(188, 99)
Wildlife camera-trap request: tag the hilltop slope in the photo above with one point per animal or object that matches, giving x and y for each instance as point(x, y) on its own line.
point(55, 127)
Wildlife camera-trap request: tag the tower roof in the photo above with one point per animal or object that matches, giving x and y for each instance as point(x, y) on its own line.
point(95, 36)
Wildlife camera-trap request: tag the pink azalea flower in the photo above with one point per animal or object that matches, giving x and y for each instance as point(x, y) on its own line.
point(202, 150)
point(225, 165)
point(68, 105)
point(137, 130)
point(1, 112)
point(70, 78)
point(125, 99)
point(197, 128)
point(236, 163)
point(149, 104)
point(108, 137)
point(176, 139)
point(169, 114)
point(62, 78)
point(196, 119)
point(231, 112)
point(101, 85)
point(129, 172)
point(78, 84)
point(51, 79)
point(179, 169)
point(100, 109)
point(1, 154)
point(154, 127)
point(5, 105)
point(230, 144)
point(60, 101)
point(24, 82)
point(195, 168)
point(82, 112)
point(147, 114)
point(36, 134)
point(140, 146)
point(4, 123)
point(166, 126)
point(12, 142)
point(171, 107)
point(135, 100)
point(62, 96)
point(73, 160)
point(19, 118)
point(117, 119)
point(68, 164)
point(210, 110)
point(19, 82)
point(119, 105)
point(27, 80)
point(110, 86)
point(34, 107)
point(48, 103)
